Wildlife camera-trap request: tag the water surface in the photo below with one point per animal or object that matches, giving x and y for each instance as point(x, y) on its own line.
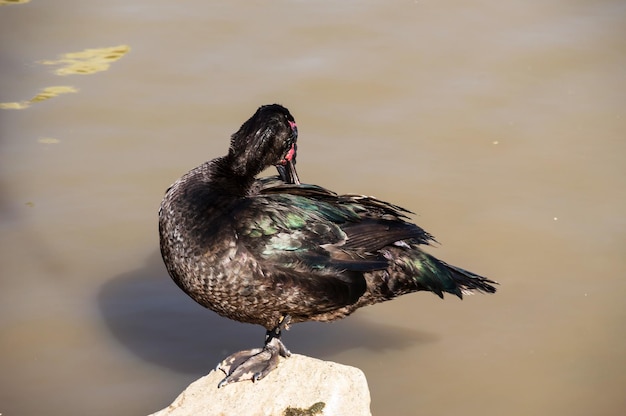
point(501, 123)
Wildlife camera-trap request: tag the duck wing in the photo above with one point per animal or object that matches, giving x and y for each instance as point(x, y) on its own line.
point(369, 224)
point(284, 226)
point(309, 229)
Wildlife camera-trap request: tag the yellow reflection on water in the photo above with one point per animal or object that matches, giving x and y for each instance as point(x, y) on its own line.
point(43, 95)
point(88, 61)
point(5, 2)
point(48, 140)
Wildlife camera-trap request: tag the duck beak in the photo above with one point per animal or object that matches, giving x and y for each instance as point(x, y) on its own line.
point(288, 172)
point(287, 168)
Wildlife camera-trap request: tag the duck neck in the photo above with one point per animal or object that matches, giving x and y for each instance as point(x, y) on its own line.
point(222, 177)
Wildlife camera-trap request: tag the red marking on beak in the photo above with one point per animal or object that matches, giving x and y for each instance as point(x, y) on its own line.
point(290, 153)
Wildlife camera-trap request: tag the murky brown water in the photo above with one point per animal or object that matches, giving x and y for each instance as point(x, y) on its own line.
point(502, 123)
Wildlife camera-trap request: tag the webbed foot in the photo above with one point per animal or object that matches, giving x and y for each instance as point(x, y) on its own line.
point(256, 363)
point(253, 364)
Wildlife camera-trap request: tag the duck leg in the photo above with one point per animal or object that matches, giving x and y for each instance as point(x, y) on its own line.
point(256, 363)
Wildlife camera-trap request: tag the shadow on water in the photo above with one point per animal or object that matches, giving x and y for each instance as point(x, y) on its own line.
point(151, 316)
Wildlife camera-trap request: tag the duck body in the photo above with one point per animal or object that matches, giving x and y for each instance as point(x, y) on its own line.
point(297, 250)
point(262, 250)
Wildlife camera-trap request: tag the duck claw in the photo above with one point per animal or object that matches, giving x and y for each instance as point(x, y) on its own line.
point(236, 359)
point(252, 364)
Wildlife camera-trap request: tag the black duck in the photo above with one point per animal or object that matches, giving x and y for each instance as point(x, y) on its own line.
point(275, 252)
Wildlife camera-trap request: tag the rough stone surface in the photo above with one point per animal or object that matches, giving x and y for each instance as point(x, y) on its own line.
point(299, 386)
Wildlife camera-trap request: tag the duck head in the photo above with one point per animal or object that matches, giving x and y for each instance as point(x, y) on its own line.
point(268, 138)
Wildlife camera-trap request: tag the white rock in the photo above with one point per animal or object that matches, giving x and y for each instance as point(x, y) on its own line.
point(299, 386)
